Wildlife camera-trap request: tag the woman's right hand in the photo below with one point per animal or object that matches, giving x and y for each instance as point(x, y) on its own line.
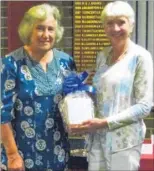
point(15, 162)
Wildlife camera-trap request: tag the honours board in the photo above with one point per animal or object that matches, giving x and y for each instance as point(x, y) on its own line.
point(88, 36)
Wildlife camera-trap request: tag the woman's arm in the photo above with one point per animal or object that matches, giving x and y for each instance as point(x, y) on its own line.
point(8, 139)
point(8, 95)
point(15, 161)
point(143, 94)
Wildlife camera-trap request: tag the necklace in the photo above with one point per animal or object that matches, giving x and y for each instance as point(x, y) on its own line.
point(115, 58)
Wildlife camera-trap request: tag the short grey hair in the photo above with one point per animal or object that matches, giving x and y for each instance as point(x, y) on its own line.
point(117, 9)
point(39, 13)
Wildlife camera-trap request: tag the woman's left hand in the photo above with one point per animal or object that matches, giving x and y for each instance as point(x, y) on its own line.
point(88, 126)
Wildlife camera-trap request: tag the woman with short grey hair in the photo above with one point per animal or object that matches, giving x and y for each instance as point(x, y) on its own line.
point(124, 83)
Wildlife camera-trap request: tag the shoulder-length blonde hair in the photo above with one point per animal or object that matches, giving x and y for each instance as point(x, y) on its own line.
point(39, 13)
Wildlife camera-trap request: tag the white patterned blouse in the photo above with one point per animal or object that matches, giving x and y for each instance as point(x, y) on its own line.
point(124, 95)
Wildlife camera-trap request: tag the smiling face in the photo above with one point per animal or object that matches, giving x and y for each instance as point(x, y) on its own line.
point(43, 35)
point(117, 29)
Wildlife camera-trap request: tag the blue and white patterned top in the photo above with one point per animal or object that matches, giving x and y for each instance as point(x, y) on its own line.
point(124, 94)
point(30, 99)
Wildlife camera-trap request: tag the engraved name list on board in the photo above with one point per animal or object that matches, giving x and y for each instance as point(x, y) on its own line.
point(89, 37)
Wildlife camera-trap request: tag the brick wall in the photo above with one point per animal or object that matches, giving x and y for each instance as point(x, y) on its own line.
point(66, 9)
point(66, 44)
point(3, 28)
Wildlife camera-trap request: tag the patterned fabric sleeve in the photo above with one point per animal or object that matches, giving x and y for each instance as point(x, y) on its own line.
point(143, 94)
point(66, 61)
point(72, 64)
point(8, 89)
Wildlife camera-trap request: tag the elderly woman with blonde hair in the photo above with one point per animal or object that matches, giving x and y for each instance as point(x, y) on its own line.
point(32, 131)
point(124, 83)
